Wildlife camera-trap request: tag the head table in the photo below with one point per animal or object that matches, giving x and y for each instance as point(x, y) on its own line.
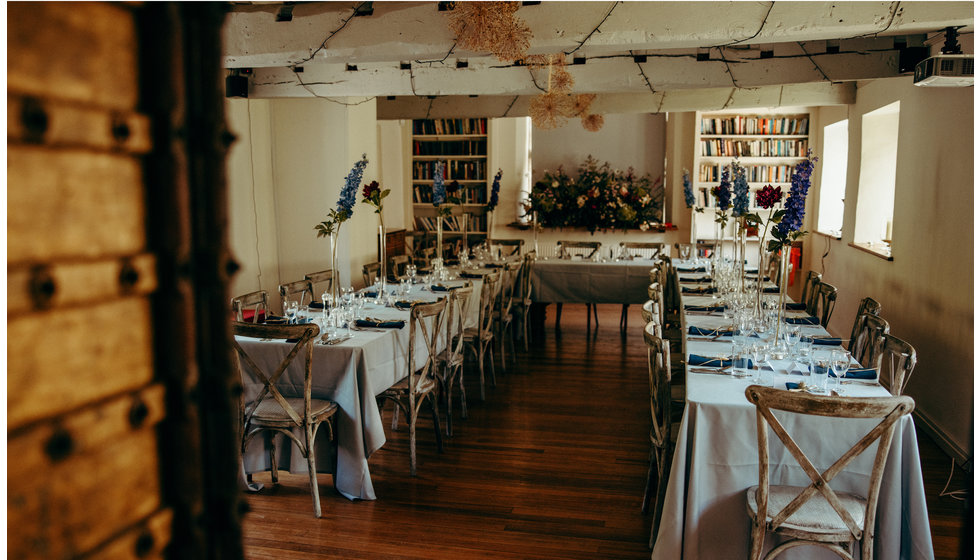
point(587, 281)
point(351, 373)
point(716, 460)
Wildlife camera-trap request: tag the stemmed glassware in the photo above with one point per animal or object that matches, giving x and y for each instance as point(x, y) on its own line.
point(292, 309)
point(840, 362)
point(685, 251)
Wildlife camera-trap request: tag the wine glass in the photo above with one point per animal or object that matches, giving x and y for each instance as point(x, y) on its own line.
point(792, 336)
point(760, 355)
point(685, 252)
point(292, 308)
point(840, 362)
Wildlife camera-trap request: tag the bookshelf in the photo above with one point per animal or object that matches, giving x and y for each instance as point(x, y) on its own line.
point(768, 144)
point(462, 145)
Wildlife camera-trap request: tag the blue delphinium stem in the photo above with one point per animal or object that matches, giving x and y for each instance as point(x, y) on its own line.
point(438, 185)
point(495, 191)
point(688, 191)
point(348, 194)
point(740, 206)
point(795, 204)
point(724, 191)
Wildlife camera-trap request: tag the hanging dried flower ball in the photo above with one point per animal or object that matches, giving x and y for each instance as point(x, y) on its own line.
point(490, 26)
point(511, 42)
point(561, 80)
point(581, 105)
point(593, 123)
point(547, 109)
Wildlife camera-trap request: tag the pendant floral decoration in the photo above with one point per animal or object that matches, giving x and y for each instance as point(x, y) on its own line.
point(494, 191)
point(600, 198)
point(345, 205)
point(490, 26)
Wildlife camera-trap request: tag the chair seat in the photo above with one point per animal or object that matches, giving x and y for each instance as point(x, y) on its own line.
point(401, 387)
point(269, 412)
point(815, 516)
point(471, 334)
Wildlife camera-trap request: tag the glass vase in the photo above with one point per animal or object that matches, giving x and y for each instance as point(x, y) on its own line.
point(334, 271)
point(463, 223)
point(383, 250)
point(439, 237)
point(534, 231)
point(783, 284)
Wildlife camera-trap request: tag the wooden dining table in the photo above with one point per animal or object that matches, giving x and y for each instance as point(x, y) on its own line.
point(716, 460)
point(351, 373)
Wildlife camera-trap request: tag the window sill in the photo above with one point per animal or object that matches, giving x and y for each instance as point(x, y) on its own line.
point(830, 235)
point(876, 250)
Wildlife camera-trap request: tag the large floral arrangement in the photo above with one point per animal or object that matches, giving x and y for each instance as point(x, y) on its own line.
point(599, 198)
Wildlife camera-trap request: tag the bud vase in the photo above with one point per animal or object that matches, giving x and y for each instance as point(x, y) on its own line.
point(439, 237)
point(383, 250)
point(463, 224)
point(334, 272)
point(534, 231)
point(783, 284)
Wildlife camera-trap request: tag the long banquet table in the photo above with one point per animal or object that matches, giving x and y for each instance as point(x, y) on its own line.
point(351, 374)
point(716, 460)
point(586, 281)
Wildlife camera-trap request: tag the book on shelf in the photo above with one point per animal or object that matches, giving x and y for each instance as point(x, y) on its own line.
point(753, 148)
point(739, 124)
point(449, 148)
point(709, 173)
point(449, 126)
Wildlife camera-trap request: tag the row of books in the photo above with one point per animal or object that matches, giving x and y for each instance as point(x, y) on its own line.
point(452, 223)
point(454, 148)
point(753, 173)
point(469, 194)
point(459, 170)
point(755, 125)
point(754, 148)
point(449, 126)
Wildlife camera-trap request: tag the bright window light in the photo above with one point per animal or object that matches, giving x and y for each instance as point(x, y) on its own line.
point(833, 179)
point(876, 188)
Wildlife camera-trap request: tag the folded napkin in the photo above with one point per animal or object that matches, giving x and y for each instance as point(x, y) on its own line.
point(371, 294)
point(384, 324)
point(275, 320)
point(770, 290)
point(861, 373)
point(811, 321)
point(710, 308)
point(316, 305)
point(795, 306)
point(248, 316)
point(823, 340)
point(438, 288)
point(695, 280)
point(691, 269)
point(794, 386)
point(405, 304)
point(686, 290)
point(492, 265)
point(700, 331)
point(465, 274)
point(695, 360)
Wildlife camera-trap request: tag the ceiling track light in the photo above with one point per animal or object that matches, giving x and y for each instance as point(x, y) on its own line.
point(405, 65)
point(285, 13)
point(703, 54)
point(639, 58)
point(352, 68)
point(462, 64)
point(578, 60)
point(833, 46)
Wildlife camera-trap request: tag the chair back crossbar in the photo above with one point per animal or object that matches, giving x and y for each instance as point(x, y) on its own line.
point(257, 301)
point(590, 248)
point(894, 359)
point(302, 287)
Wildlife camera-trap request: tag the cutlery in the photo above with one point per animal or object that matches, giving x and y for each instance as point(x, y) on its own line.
point(715, 371)
point(333, 341)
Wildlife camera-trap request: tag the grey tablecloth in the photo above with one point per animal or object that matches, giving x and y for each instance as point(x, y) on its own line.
point(576, 281)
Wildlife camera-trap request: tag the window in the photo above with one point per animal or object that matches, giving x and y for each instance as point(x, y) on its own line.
point(833, 179)
point(876, 188)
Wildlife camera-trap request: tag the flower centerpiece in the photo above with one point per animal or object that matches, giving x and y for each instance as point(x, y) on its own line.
point(723, 199)
point(374, 196)
point(337, 216)
point(740, 211)
point(692, 203)
point(492, 201)
point(766, 198)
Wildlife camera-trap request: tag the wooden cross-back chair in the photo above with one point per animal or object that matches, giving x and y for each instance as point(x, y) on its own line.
point(680, 247)
point(502, 317)
point(273, 411)
point(508, 247)
point(370, 272)
point(321, 277)
point(799, 512)
point(587, 249)
point(661, 446)
point(824, 301)
point(863, 344)
point(479, 338)
point(451, 359)
point(303, 288)
point(421, 382)
point(396, 267)
point(868, 306)
point(894, 359)
point(647, 250)
point(812, 279)
point(522, 307)
point(251, 307)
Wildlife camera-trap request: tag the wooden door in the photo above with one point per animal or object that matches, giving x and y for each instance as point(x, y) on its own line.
point(120, 427)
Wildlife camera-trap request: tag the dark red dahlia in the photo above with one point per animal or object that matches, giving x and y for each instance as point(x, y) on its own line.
point(768, 196)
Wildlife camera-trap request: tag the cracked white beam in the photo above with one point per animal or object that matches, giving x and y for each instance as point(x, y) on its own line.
point(661, 102)
point(597, 76)
point(405, 31)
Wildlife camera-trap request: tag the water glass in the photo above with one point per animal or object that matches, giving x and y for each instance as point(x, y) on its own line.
point(820, 361)
point(292, 308)
point(792, 336)
point(840, 362)
point(741, 354)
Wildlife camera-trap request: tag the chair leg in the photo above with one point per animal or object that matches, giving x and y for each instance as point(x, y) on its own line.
point(394, 416)
point(595, 312)
point(462, 393)
point(411, 441)
point(558, 315)
point(311, 464)
point(648, 490)
point(658, 506)
point(624, 317)
point(493, 372)
point(434, 403)
point(478, 352)
point(449, 404)
point(526, 324)
point(272, 459)
point(758, 538)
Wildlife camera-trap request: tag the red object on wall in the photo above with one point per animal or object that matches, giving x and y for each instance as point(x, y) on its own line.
point(795, 257)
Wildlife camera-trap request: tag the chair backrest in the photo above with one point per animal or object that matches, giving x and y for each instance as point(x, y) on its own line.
point(305, 335)
point(321, 277)
point(888, 409)
point(396, 267)
point(682, 246)
point(525, 287)
point(508, 287)
point(812, 279)
point(370, 272)
point(771, 269)
point(488, 295)
point(868, 306)
point(658, 372)
point(585, 248)
point(257, 301)
point(825, 299)
point(894, 359)
point(863, 343)
point(430, 332)
point(459, 303)
point(647, 250)
point(656, 294)
point(508, 247)
point(302, 287)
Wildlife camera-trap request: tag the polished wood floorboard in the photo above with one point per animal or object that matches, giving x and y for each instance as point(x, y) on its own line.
point(551, 466)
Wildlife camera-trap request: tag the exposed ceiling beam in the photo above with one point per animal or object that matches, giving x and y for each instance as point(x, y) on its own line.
point(412, 107)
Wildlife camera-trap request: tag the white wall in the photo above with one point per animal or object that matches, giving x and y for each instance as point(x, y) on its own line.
point(927, 291)
point(285, 173)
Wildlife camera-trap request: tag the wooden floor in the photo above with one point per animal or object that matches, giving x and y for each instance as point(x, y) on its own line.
point(552, 465)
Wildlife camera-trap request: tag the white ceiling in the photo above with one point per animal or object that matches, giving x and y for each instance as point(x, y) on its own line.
point(405, 54)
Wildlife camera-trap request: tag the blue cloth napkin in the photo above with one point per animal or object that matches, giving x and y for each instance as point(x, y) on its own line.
point(492, 265)
point(861, 373)
point(393, 324)
point(695, 280)
point(695, 360)
point(691, 269)
point(770, 290)
point(812, 321)
point(824, 340)
point(795, 307)
point(465, 274)
point(792, 385)
point(371, 294)
point(711, 308)
point(697, 290)
point(316, 305)
point(700, 331)
point(438, 288)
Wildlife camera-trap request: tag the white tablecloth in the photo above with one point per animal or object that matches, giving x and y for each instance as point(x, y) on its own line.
point(351, 374)
point(578, 281)
point(716, 460)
